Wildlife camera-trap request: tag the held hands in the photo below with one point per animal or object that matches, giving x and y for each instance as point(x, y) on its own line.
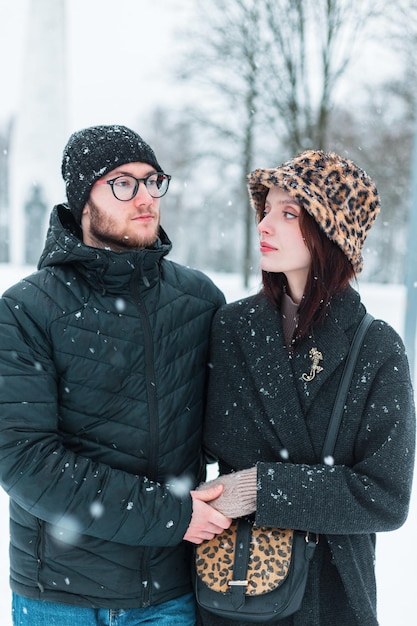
point(239, 494)
point(217, 501)
point(205, 520)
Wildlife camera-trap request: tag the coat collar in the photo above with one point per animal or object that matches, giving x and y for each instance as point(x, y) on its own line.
point(332, 340)
point(285, 394)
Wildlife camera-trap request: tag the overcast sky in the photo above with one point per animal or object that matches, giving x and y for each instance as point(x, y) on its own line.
point(119, 56)
point(135, 39)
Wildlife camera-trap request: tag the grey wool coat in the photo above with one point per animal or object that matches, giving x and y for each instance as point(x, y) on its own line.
point(262, 412)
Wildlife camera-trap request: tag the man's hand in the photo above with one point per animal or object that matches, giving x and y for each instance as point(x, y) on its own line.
point(205, 520)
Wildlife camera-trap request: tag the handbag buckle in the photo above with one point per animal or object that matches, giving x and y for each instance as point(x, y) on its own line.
point(307, 537)
point(238, 583)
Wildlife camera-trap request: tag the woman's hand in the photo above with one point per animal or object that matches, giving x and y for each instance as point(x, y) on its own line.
point(239, 494)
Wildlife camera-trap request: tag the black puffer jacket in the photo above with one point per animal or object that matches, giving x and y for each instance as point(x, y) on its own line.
point(102, 376)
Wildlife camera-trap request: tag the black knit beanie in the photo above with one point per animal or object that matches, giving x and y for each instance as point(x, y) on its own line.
point(93, 152)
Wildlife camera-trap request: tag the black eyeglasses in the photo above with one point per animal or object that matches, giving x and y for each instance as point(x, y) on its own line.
point(125, 187)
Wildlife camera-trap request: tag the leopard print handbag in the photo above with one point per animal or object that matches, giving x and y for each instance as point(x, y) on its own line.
point(253, 573)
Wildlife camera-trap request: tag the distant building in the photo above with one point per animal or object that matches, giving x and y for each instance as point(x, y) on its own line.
point(4, 193)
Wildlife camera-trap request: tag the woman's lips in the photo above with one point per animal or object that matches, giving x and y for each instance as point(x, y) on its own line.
point(265, 247)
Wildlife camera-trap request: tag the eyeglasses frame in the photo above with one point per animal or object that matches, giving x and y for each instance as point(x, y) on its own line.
point(137, 183)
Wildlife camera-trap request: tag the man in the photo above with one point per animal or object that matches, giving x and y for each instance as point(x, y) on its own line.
point(102, 373)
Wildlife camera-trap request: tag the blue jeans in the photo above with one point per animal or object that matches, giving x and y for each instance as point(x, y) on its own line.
point(27, 612)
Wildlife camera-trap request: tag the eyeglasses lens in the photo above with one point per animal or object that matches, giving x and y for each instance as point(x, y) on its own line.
point(125, 187)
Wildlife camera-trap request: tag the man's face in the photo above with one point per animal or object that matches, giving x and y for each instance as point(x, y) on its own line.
point(110, 223)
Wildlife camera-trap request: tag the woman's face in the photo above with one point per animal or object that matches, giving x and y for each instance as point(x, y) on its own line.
point(282, 246)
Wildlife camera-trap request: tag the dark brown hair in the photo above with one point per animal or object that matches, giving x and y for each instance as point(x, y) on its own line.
point(330, 273)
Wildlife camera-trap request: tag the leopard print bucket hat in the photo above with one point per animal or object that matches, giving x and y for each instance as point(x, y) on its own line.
point(338, 194)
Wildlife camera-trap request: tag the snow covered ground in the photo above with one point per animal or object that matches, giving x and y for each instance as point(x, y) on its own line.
point(396, 551)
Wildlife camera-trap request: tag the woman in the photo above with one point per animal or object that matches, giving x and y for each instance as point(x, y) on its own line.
point(270, 393)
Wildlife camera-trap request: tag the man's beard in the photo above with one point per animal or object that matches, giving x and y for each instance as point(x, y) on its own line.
point(102, 232)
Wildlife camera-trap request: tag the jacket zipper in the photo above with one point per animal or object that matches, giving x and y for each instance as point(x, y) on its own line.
point(153, 419)
point(39, 553)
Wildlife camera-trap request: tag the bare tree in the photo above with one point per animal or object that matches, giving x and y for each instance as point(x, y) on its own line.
point(403, 27)
point(378, 137)
point(270, 72)
point(226, 57)
point(309, 46)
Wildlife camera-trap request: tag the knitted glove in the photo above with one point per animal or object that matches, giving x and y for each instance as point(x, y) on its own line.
point(239, 494)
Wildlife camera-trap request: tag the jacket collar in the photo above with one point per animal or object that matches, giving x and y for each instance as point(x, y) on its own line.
point(103, 269)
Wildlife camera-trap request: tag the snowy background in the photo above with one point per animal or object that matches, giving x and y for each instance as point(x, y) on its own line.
point(396, 551)
point(103, 43)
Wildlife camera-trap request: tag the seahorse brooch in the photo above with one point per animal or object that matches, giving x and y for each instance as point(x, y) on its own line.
point(315, 357)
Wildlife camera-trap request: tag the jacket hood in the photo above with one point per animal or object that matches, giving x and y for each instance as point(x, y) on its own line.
point(103, 269)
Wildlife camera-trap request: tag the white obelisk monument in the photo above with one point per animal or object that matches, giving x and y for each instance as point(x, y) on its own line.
point(40, 129)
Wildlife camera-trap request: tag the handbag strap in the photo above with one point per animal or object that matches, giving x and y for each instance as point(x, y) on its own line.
point(340, 401)
point(238, 584)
